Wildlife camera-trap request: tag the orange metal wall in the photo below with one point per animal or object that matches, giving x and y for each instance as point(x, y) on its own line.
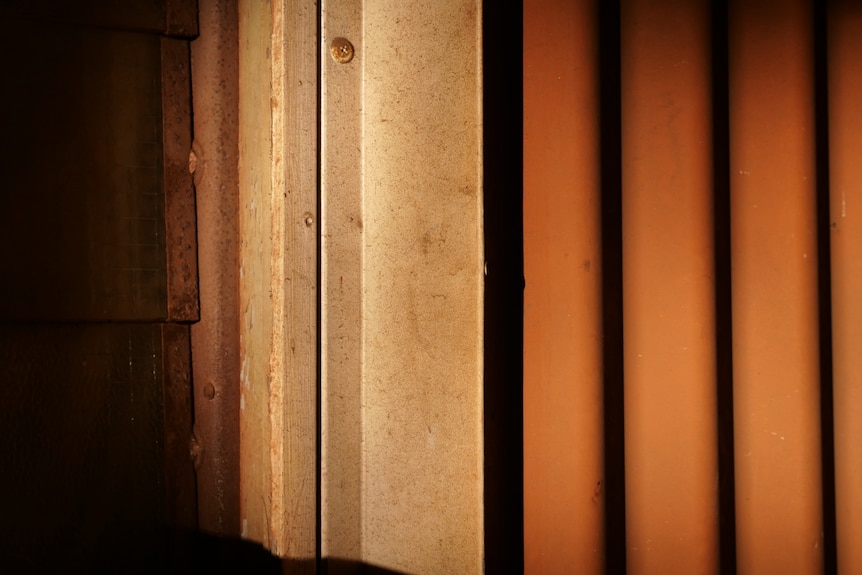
point(562, 344)
point(774, 288)
point(845, 151)
point(669, 385)
point(736, 130)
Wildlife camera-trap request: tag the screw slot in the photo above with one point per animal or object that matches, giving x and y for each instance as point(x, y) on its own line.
point(341, 50)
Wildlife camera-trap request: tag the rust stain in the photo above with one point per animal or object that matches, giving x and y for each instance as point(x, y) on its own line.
point(215, 338)
point(181, 18)
point(180, 219)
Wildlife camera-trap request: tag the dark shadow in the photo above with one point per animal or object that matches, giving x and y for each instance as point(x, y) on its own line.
point(723, 303)
point(824, 283)
point(146, 549)
point(502, 49)
point(612, 284)
point(140, 549)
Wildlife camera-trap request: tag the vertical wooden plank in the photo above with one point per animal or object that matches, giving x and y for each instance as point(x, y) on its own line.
point(668, 295)
point(255, 261)
point(563, 462)
point(294, 347)
point(422, 286)
point(342, 226)
point(215, 339)
point(278, 280)
point(774, 285)
point(423, 269)
point(845, 145)
point(402, 300)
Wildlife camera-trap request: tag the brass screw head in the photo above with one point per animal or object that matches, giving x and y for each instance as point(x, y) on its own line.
point(341, 50)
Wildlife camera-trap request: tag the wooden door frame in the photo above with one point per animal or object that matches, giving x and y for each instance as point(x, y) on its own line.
point(257, 348)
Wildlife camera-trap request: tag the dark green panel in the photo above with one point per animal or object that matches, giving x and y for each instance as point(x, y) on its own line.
point(81, 456)
point(82, 219)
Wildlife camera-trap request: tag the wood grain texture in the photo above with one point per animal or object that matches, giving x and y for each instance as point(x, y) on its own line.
point(256, 245)
point(294, 348)
point(278, 285)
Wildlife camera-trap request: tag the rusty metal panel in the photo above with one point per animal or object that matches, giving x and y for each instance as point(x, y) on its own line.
point(401, 285)
point(215, 339)
point(774, 285)
point(180, 230)
point(668, 294)
point(563, 485)
point(845, 150)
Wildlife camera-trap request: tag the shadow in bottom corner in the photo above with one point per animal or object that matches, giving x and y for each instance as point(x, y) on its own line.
point(146, 550)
